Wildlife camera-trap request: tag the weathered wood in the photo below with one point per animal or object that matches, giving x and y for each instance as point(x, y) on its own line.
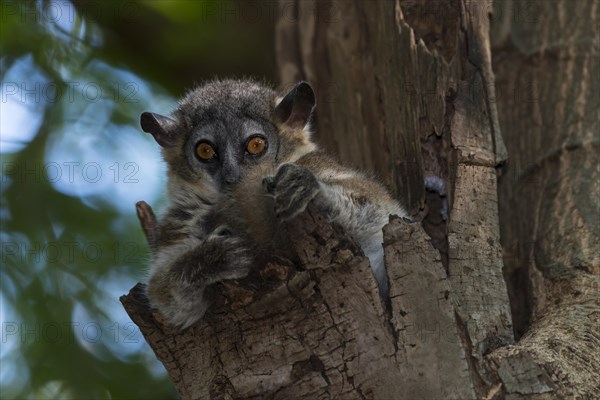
point(313, 332)
point(434, 362)
point(322, 330)
point(368, 111)
point(548, 75)
point(415, 96)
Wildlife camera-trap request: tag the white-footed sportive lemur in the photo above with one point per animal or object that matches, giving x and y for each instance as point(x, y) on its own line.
point(241, 160)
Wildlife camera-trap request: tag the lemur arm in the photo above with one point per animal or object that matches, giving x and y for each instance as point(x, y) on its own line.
point(336, 189)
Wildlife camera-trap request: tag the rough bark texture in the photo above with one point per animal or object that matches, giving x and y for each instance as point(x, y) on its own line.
point(547, 64)
point(406, 90)
point(313, 332)
point(411, 93)
point(321, 330)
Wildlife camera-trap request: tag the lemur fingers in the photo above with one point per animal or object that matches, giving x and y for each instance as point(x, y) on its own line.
point(293, 187)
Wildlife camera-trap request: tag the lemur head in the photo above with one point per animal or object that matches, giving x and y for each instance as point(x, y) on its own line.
point(223, 128)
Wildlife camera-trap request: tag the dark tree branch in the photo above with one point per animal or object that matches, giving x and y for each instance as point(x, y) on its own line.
point(147, 220)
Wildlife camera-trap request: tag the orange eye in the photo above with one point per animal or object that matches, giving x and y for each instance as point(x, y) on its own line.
point(205, 151)
point(256, 145)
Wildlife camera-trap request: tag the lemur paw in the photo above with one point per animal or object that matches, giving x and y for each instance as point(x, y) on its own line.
point(293, 187)
point(180, 292)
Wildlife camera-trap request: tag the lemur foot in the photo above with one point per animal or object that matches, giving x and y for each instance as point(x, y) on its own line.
point(180, 291)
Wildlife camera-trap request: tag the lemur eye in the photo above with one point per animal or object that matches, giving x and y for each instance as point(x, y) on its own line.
point(256, 145)
point(205, 151)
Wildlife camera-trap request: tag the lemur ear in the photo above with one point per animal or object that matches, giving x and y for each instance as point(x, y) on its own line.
point(159, 126)
point(296, 107)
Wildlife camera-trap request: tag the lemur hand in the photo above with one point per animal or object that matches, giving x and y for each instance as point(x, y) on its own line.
point(293, 187)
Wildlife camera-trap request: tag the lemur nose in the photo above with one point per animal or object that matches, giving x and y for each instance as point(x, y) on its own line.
point(230, 172)
point(231, 176)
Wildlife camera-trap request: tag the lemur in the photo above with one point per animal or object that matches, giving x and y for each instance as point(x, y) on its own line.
point(237, 145)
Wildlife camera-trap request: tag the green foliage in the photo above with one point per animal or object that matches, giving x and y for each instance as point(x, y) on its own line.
point(75, 79)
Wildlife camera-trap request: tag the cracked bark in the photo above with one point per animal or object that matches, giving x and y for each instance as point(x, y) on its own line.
point(310, 332)
point(405, 89)
point(413, 95)
point(547, 66)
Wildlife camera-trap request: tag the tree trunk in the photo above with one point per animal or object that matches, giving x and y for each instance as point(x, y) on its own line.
point(406, 90)
point(547, 65)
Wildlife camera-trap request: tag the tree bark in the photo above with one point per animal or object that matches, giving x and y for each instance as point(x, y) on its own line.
point(410, 93)
point(547, 65)
point(405, 90)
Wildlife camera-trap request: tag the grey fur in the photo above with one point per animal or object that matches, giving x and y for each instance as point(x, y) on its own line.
point(224, 216)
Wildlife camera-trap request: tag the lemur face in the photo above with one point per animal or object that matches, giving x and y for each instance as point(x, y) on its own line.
point(224, 148)
point(218, 131)
point(224, 128)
